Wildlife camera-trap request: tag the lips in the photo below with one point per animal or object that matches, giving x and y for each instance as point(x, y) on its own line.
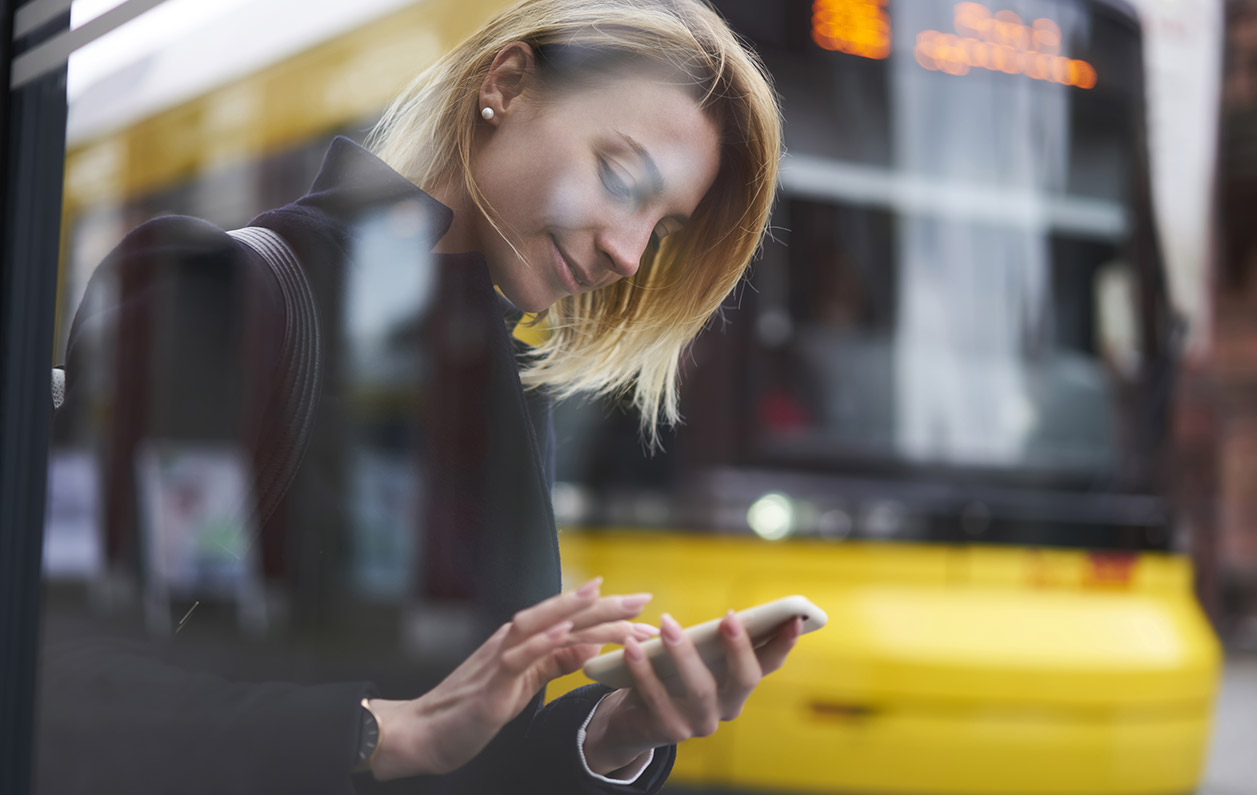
point(574, 280)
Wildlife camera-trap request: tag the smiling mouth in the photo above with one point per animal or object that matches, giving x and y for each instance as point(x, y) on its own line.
point(567, 263)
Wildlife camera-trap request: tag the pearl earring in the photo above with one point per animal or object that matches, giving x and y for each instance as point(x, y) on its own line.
point(487, 113)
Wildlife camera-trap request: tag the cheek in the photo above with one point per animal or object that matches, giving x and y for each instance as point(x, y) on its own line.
point(570, 201)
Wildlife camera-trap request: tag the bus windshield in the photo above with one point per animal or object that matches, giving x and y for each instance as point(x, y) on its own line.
point(953, 280)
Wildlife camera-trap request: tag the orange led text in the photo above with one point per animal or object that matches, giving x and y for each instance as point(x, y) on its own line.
point(1001, 42)
point(856, 27)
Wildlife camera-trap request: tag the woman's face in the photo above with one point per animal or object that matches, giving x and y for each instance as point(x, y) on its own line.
point(584, 183)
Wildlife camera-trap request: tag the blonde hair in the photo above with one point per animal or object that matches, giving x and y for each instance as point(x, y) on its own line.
point(626, 338)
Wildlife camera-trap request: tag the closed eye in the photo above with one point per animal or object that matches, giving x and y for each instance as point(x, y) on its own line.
point(615, 184)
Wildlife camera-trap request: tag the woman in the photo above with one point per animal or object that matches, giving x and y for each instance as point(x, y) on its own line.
point(616, 168)
point(610, 163)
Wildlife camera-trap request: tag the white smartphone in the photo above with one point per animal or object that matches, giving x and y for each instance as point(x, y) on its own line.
point(760, 622)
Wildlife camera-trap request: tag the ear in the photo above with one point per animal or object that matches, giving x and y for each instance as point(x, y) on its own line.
point(507, 77)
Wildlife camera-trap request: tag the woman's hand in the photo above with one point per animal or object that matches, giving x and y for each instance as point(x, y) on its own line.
point(630, 722)
point(447, 726)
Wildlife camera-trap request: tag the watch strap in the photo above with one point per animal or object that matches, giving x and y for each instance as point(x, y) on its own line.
point(368, 737)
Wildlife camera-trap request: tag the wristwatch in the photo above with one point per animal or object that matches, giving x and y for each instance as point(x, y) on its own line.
point(368, 738)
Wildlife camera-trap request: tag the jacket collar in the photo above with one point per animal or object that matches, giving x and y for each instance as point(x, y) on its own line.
point(352, 180)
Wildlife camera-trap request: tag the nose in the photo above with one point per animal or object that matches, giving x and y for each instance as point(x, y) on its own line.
point(623, 246)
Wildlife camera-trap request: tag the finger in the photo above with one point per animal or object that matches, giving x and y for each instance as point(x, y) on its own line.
point(742, 667)
point(544, 615)
point(519, 658)
point(615, 632)
point(569, 659)
point(611, 608)
point(654, 696)
point(773, 654)
point(643, 631)
point(700, 689)
point(611, 632)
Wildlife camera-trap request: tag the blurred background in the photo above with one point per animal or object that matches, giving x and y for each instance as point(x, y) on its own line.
point(989, 396)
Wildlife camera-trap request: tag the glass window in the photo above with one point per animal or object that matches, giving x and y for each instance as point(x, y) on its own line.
point(959, 292)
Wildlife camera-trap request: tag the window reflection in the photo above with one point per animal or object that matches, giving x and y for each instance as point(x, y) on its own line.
point(153, 517)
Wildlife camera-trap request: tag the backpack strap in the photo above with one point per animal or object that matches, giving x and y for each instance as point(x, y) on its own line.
point(301, 355)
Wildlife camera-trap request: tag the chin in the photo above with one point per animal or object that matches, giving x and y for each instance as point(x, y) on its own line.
point(527, 303)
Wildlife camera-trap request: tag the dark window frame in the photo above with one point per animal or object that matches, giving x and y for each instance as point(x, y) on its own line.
point(32, 140)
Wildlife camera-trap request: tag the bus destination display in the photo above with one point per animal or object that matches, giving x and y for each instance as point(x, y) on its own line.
point(996, 41)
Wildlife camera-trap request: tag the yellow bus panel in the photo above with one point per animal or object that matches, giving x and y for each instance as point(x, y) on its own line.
point(944, 669)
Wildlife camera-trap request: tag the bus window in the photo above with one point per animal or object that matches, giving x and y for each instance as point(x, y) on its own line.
point(976, 347)
point(961, 285)
point(934, 307)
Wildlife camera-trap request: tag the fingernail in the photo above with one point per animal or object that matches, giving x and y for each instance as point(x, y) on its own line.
point(670, 628)
point(635, 601)
point(730, 628)
point(646, 629)
point(632, 651)
point(558, 630)
point(590, 588)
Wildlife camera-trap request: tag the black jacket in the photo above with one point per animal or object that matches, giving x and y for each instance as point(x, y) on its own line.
point(177, 343)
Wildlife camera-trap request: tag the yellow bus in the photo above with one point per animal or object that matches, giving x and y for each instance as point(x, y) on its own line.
point(939, 408)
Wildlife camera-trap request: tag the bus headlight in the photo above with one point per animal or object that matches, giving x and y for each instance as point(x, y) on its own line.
point(772, 517)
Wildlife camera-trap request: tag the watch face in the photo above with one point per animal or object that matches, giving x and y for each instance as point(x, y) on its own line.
point(368, 736)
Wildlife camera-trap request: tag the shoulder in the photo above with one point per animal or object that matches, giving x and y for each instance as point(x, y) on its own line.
point(179, 248)
point(174, 236)
point(176, 257)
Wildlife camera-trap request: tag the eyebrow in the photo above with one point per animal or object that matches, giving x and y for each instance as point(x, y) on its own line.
point(652, 169)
